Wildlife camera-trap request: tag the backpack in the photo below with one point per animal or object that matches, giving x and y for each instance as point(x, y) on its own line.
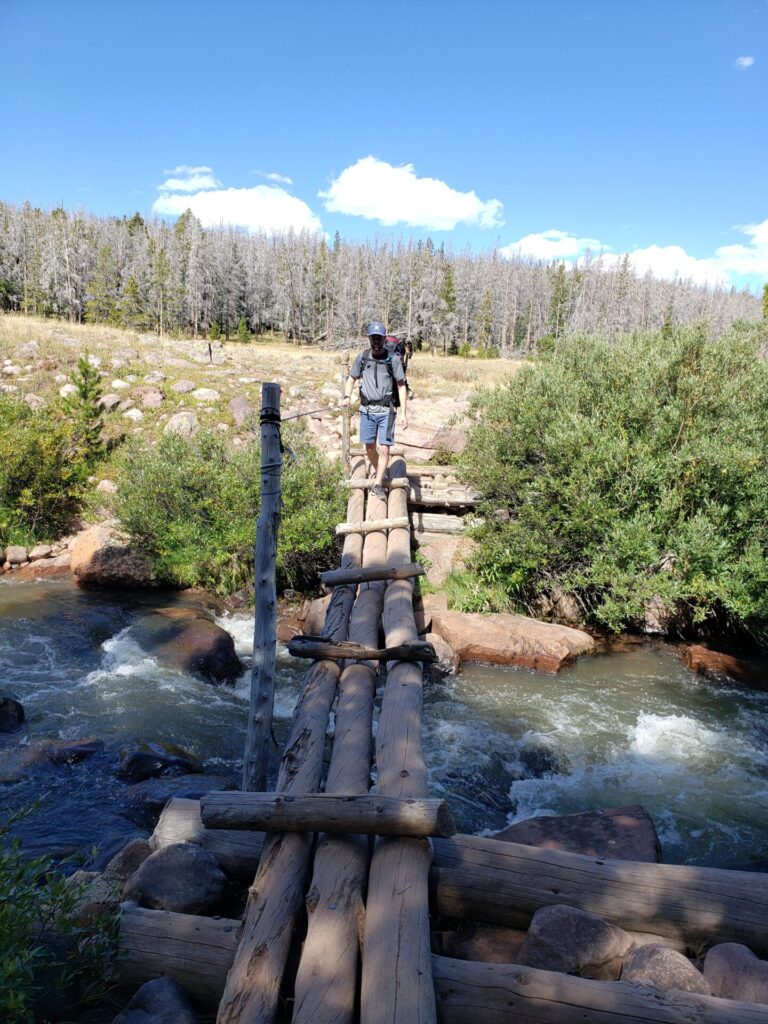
point(394, 400)
point(394, 345)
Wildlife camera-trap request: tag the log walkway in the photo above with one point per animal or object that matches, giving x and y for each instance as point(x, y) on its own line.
point(343, 876)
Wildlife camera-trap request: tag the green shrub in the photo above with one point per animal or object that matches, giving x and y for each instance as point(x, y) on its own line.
point(192, 507)
point(43, 947)
point(631, 469)
point(44, 465)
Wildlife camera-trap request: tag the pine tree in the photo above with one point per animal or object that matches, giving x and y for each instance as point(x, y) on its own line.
point(86, 410)
point(214, 332)
point(103, 289)
point(243, 330)
point(558, 305)
point(765, 302)
point(133, 311)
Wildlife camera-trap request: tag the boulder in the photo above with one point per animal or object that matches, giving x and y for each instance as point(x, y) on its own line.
point(151, 398)
point(106, 487)
point(206, 395)
point(663, 968)
point(489, 943)
point(617, 833)
point(183, 878)
point(62, 752)
point(127, 861)
point(160, 1001)
point(67, 390)
point(100, 557)
point(448, 663)
point(572, 941)
point(40, 551)
point(134, 415)
point(241, 409)
point(183, 387)
point(108, 402)
point(46, 568)
point(507, 639)
point(443, 552)
point(312, 615)
point(148, 760)
point(11, 713)
point(719, 667)
point(154, 377)
point(34, 401)
point(98, 897)
point(29, 350)
point(16, 554)
point(184, 423)
point(735, 972)
point(185, 639)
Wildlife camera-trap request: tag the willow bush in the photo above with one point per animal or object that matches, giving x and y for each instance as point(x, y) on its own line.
point(629, 471)
point(192, 506)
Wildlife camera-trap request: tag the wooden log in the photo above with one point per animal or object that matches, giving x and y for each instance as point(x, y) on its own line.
point(495, 993)
point(397, 975)
point(505, 883)
point(366, 485)
point(442, 499)
point(259, 731)
point(326, 989)
point(318, 647)
point(371, 526)
point(327, 812)
point(434, 522)
point(431, 471)
point(336, 577)
point(394, 450)
point(196, 952)
point(237, 852)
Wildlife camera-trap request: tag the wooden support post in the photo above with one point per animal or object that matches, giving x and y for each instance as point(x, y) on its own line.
point(327, 812)
point(264, 636)
point(319, 647)
point(337, 577)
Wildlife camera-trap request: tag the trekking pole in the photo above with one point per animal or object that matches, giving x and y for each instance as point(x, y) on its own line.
point(345, 418)
point(311, 412)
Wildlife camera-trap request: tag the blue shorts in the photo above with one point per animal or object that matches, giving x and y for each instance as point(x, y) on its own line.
point(377, 425)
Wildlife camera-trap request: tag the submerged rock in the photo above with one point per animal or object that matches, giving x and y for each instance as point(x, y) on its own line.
point(151, 796)
point(187, 640)
point(11, 713)
point(149, 760)
point(721, 667)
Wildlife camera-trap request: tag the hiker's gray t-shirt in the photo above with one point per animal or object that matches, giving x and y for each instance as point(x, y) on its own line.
point(375, 381)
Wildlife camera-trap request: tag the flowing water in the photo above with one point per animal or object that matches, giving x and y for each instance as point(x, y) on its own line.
point(501, 745)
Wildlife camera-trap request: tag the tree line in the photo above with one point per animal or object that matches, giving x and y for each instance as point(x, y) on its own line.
point(180, 278)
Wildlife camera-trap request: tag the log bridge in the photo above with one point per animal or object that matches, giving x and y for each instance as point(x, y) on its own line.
point(343, 879)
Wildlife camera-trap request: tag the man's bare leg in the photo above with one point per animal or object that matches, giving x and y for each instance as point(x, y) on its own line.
point(383, 463)
point(373, 455)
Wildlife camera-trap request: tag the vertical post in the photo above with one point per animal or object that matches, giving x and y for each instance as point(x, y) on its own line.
point(345, 421)
point(264, 639)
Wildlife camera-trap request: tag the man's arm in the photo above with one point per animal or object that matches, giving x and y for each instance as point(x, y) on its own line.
point(349, 385)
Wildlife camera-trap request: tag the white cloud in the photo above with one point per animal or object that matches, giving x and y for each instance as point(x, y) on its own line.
point(742, 63)
point(747, 260)
point(283, 179)
point(189, 179)
point(262, 208)
point(376, 190)
point(553, 245)
point(670, 261)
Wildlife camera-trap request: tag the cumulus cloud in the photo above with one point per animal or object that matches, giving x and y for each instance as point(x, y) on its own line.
point(742, 63)
point(261, 208)
point(553, 245)
point(189, 179)
point(727, 265)
point(376, 190)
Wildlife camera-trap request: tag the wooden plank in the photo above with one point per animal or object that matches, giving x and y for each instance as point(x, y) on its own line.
point(432, 522)
point(259, 731)
point(337, 577)
point(196, 952)
point(436, 500)
point(327, 812)
point(397, 974)
point(394, 450)
point(371, 526)
point(366, 485)
point(327, 983)
point(318, 647)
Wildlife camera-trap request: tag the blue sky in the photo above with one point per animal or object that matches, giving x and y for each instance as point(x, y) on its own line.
point(548, 128)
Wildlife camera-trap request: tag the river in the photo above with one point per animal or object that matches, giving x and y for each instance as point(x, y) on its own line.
point(501, 745)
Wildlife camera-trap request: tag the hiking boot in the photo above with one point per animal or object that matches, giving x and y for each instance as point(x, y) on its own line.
point(378, 491)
